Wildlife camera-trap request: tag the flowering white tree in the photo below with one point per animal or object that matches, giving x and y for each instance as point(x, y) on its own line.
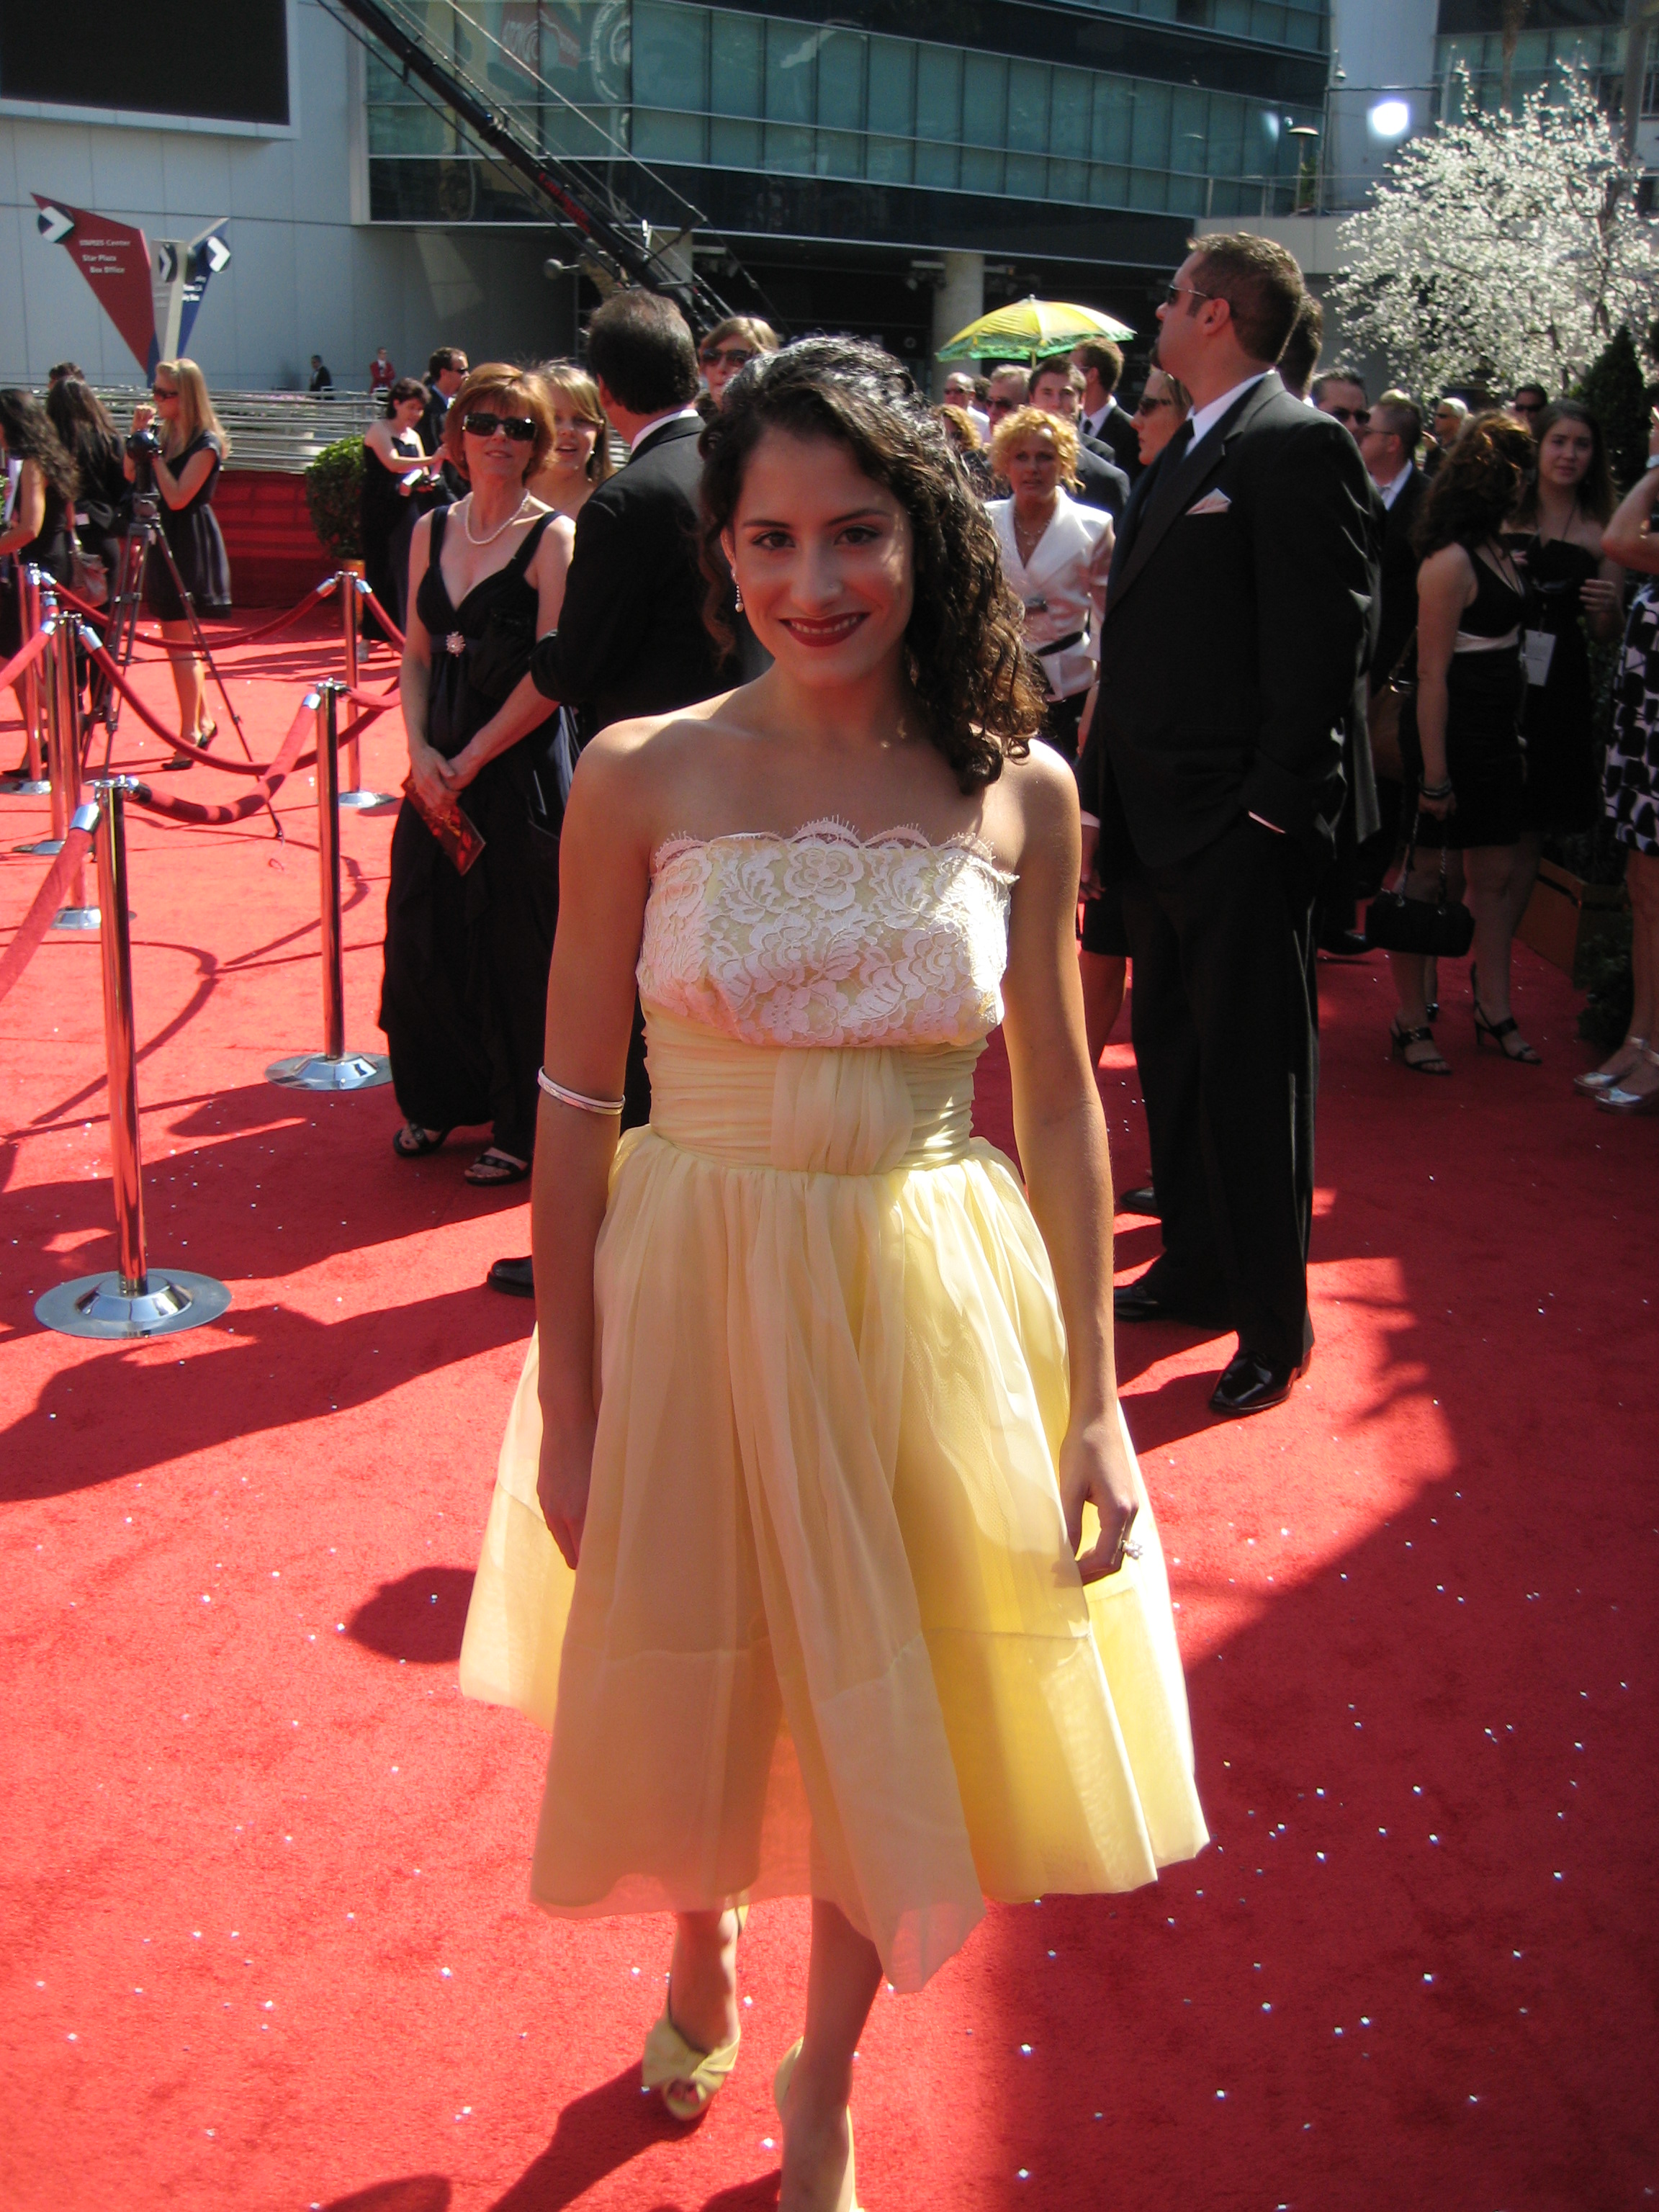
point(1500, 247)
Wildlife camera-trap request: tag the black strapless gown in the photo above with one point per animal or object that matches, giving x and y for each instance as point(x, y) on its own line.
point(1563, 788)
point(464, 1001)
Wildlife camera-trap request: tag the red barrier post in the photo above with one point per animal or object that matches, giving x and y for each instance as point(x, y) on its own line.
point(333, 1068)
point(77, 914)
point(137, 1300)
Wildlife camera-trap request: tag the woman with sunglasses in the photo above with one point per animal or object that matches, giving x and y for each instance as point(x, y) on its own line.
point(1163, 406)
point(728, 349)
point(194, 448)
point(467, 953)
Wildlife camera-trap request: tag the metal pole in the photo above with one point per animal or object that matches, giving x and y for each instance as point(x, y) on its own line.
point(51, 845)
point(328, 869)
point(333, 1068)
point(77, 914)
point(137, 1300)
point(120, 1042)
point(353, 589)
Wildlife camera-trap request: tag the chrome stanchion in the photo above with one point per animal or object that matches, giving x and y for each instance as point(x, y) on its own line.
point(137, 1299)
point(33, 785)
point(58, 640)
point(368, 802)
point(77, 914)
point(333, 1068)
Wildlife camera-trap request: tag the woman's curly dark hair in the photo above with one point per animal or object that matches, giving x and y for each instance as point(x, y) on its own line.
point(29, 436)
point(979, 688)
point(1477, 486)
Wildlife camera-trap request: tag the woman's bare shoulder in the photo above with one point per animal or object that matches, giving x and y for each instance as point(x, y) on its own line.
point(1032, 807)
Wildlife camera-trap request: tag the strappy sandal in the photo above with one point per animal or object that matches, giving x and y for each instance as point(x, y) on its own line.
point(412, 1142)
point(781, 2081)
point(1500, 1033)
point(494, 1168)
point(204, 739)
point(686, 2077)
point(1433, 1062)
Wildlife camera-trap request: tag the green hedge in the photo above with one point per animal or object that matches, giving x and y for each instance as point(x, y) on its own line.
point(334, 485)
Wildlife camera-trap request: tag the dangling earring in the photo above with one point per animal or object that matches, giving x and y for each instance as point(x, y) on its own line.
point(737, 589)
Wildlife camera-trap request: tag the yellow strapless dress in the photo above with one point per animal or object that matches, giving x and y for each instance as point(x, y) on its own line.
point(826, 1635)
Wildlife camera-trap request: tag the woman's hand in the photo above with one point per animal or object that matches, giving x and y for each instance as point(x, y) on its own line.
point(1602, 599)
point(561, 1482)
point(460, 770)
point(1439, 807)
point(426, 768)
point(143, 417)
point(1095, 1467)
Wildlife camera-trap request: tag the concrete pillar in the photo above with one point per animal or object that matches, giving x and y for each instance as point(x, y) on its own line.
point(959, 299)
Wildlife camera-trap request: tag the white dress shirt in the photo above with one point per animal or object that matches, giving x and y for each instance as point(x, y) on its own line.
point(651, 428)
point(1206, 418)
point(1391, 492)
point(1062, 586)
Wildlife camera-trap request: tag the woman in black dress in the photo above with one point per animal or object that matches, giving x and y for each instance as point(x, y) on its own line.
point(394, 467)
point(194, 448)
point(464, 1001)
point(1461, 736)
point(102, 504)
point(37, 532)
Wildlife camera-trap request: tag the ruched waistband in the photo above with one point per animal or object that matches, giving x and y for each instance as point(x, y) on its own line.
point(813, 1109)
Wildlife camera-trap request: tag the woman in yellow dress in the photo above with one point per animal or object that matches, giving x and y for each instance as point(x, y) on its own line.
point(820, 1410)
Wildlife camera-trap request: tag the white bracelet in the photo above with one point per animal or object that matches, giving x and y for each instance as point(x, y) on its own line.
point(578, 1098)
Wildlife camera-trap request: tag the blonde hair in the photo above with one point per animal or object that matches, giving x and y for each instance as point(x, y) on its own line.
point(963, 424)
point(579, 387)
point(502, 389)
point(194, 408)
point(748, 328)
point(1032, 422)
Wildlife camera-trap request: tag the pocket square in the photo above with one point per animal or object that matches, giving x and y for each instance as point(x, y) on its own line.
point(1214, 503)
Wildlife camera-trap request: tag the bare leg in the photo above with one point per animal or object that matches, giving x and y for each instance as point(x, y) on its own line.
point(1412, 972)
point(702, 1981)
point(1528, 853)
point(841, 1985)
point(1492, 871)
point(186, 677)
point(1642, 879)
point(1102, 975)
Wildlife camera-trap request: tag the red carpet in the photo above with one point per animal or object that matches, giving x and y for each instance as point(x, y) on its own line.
point(266, 1940)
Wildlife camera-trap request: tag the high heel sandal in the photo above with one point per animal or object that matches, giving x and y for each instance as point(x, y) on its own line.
point(1500, 1032)
point(1600, 1081)
point(781, 2081)
point(669, 2059)
point(1434, 1063)
point(1633, 1102)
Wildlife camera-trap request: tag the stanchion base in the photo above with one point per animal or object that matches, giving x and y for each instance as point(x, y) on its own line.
point(315, 1070)
point(370, 802)
point(47, 849)
point(96, 1305)
point(23, 786)
point(76, 917)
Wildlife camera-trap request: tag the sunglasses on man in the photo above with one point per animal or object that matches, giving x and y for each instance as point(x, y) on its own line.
point(520, 429)
point(1359, 417)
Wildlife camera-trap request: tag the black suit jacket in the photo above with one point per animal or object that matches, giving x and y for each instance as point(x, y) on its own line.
point(1100, 483)
point(631, 639)
point(1233, 638)
point(1399, 585)
point(1117, 434)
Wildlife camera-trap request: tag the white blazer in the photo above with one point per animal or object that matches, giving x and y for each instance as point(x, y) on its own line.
point(1063, 589)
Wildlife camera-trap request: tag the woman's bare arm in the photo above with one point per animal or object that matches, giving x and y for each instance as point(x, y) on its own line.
point(1627, 538)
point(1061, 1133)
point(426, 766)
point(1445, 585)
point(179, 490)
point(603, 876)
point(30, 510)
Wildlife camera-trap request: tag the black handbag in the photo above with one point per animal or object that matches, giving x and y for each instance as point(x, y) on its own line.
point(1436, 929)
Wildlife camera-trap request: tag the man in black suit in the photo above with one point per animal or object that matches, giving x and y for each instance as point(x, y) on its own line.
point(631, 638)
point(1057, 389)
point(445, 373)
point(1237, 611)
point(1341, 395)
point(1100, 364)
point(1389, 448)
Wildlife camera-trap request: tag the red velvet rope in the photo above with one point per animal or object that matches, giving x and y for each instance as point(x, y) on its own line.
point(289, 758)
point(317, 593)
point(43, 912)
point(384, 619)
point(98, 654)
point(19, 661)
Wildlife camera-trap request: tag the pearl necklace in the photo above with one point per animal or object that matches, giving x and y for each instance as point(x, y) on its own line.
point(491, 535)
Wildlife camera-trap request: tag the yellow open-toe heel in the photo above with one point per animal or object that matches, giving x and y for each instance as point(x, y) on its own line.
point(781, 2081)
point(669, 2058)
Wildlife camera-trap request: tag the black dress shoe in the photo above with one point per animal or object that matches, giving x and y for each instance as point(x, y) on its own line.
point(1345, 944)
point(1143, 1198)
point(1249, 1384)
point(1144, 1301)
point(515, 1277)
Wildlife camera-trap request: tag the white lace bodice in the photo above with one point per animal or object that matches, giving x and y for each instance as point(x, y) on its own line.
point(825, 937)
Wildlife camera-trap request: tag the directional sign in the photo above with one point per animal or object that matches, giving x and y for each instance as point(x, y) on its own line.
point(218, 253)
point(55, 225)
point(114, 258)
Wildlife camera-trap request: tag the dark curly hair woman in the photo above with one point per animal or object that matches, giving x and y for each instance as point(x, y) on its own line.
point(821, 1414)
point(1461, 736)
point(43, 516)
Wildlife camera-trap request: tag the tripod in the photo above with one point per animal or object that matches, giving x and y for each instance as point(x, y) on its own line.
point(145, 535)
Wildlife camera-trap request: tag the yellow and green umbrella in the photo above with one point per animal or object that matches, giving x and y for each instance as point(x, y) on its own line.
point(1029, 328)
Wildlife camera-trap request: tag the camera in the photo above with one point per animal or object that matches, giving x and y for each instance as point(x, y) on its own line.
point(142, 446)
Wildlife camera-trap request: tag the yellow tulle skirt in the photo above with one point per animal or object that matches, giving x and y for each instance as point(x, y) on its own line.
point(826, 1635)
